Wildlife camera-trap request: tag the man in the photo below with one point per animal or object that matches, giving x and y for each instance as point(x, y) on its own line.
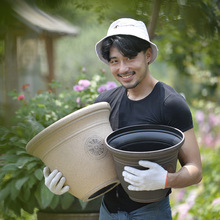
point(141, 99)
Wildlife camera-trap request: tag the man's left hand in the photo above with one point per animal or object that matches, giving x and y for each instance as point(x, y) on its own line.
point(153, 178)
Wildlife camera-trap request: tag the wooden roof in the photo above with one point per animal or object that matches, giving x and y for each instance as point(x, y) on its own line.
point(40, 21)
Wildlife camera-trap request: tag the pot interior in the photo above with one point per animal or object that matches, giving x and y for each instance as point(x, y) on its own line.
point(142, 147)
point(145, 138)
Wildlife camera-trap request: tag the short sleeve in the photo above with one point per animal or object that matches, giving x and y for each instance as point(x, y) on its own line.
point(113, 97)
point(177, 113)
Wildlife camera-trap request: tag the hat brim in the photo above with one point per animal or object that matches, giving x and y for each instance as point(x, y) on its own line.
point(99, 45)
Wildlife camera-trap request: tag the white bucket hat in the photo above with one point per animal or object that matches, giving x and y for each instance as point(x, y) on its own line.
point(127, 26)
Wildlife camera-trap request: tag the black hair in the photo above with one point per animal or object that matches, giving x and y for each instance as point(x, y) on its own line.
point(129, 46)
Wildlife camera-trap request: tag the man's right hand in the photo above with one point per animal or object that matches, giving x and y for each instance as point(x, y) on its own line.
point(55, 181)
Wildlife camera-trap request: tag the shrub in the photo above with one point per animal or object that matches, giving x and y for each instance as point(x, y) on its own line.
point(21, 178)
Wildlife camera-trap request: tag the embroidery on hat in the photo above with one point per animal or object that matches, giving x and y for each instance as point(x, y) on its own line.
point(123, 25)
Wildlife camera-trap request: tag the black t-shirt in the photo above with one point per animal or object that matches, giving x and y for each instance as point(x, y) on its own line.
point(162, 106)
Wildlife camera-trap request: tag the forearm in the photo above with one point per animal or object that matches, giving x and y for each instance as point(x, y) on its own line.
point(186, 176)
point(190, 160)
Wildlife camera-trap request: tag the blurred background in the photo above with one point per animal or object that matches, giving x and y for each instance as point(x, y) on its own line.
point(44, 41)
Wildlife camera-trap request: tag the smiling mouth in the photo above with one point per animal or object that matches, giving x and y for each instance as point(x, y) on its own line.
point(127, 75)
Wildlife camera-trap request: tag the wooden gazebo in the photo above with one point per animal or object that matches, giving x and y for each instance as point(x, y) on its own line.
point(23, 20)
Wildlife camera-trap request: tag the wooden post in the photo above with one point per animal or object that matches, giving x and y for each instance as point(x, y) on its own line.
point(50, 59)
point(10, 75)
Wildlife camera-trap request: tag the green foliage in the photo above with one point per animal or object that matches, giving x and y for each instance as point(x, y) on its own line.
point(188, 38)
point(202, 201)
point(186, 32)
point(206, 205)
point(21, 178)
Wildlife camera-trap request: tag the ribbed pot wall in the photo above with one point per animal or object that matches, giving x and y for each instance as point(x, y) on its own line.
point(75, 146)
point(131, 144)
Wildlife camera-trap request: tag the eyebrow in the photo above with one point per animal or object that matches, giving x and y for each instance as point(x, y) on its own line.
point(110, 58)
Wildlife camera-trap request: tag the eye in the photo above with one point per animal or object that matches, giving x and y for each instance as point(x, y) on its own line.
point(113, 61)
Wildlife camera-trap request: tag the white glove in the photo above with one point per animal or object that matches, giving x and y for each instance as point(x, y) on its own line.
point(155, 177)
point(55, 181)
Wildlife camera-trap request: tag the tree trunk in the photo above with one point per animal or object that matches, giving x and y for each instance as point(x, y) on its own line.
point(154, 17)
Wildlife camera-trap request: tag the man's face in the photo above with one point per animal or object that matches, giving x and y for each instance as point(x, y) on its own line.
point(130, 72)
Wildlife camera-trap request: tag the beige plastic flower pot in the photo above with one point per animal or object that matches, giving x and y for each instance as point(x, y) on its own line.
point(75, 145)
point(156, 143)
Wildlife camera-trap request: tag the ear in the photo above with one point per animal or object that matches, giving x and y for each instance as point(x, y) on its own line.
point(148, 55)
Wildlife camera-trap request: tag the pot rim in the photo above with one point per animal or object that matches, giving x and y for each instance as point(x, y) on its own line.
point(61, 123)
point(152, 127)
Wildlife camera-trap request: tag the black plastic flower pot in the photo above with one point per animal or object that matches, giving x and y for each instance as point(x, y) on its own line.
point(156, 143)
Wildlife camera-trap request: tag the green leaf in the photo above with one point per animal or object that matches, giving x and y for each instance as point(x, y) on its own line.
point(67, 200)
point(83, 204)
point(15, 206)
point(31, 165)
point(5, 192)
point(21, 153)
point(30, 205)
point(39, 174)
point(9, 167)
point(55, 201)
point(26, 194)
point(41, 105)
point(46, 197)
point(19, 183)
point(31, 181)
point(22, 161)
point(14, 192)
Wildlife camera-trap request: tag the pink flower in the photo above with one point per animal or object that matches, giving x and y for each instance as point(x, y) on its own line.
point(21, 97)
point(183, 212)
point(216, 201)
point(180, 195)
point(191, 198)
point(214, 119)
point(208, 140)
point(78, 100)
point(217, 140)
point(102, 88)
point(78, 88)
point(183, 209)
point(111, 85)
point(200, 116)
point(84, 83)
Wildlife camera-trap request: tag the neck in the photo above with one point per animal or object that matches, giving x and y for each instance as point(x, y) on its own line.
point(142, 90)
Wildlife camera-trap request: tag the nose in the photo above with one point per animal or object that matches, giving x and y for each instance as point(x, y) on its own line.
point(123, 67)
